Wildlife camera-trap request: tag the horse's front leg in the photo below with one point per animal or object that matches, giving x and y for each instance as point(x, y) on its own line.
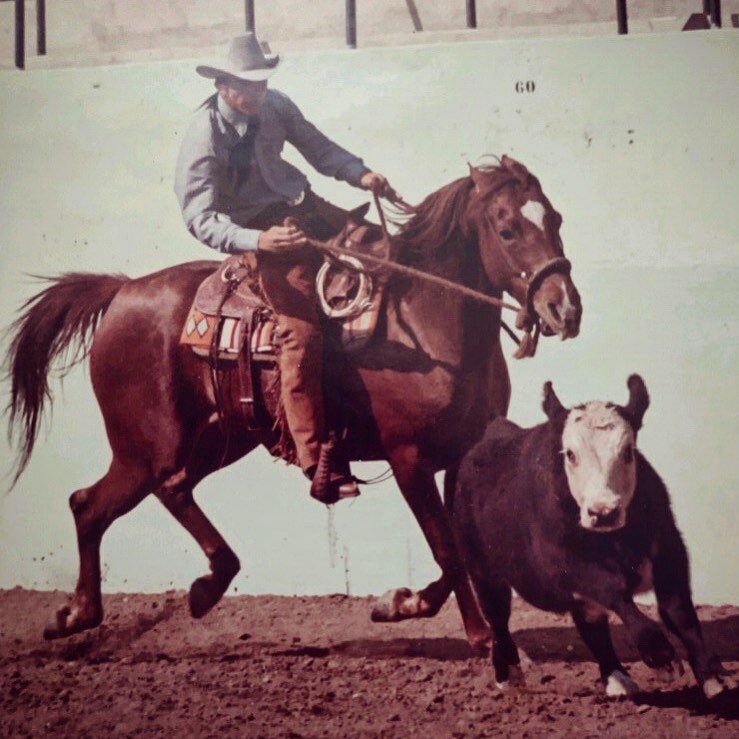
point(437, 592)
point(416, 481)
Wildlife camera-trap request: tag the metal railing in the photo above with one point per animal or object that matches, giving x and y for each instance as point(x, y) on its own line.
point(20, 30)
point(711, 9)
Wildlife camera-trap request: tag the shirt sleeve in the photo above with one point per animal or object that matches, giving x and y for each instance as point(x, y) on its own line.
point(322, 153)
point(196, 186)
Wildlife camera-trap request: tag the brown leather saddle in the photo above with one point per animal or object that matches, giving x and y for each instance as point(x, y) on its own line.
point(230, 320)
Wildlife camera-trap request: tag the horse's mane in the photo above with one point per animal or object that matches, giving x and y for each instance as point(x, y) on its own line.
point(434, 226)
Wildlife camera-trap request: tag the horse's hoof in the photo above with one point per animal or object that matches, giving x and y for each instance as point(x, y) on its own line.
point(68, 623)
point(387, 608)
point(204, 594)
point(58, 628)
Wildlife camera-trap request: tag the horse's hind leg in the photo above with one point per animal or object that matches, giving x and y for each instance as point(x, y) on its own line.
point(206, 591)
point(122, 488)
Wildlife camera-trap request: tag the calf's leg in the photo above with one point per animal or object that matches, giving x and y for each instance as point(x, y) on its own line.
point(592, 624)
point(608, 588)
point(495, 600)
point(672, 587)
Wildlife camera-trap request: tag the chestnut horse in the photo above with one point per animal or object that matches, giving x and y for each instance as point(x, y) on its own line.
point(419, 395)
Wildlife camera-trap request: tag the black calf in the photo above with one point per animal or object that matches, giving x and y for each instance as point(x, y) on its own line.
point(519, 515)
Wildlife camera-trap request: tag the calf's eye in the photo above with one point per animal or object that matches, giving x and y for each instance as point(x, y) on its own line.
point(506, 234)
point(570, 456)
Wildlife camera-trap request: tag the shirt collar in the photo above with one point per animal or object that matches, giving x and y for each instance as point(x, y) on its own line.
point(237, 119)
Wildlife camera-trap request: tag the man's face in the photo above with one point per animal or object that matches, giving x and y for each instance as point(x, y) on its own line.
point(243, 95)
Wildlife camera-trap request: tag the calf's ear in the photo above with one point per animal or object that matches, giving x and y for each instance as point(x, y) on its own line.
point(638, 401)
point(551, 405)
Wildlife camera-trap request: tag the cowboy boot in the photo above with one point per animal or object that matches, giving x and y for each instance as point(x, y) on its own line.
point(332, 480)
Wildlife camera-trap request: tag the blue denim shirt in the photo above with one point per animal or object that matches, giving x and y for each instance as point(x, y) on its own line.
point(213, 208)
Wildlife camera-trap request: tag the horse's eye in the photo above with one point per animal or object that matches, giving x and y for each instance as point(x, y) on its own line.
point(570, 456)
point(629, 454)
point(506, 234)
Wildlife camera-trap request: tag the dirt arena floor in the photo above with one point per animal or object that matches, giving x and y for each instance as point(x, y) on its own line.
point(273, 666)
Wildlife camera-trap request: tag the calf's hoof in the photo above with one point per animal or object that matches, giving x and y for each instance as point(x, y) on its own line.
point(204, 594)
point(655, 649)
point(619, 685)
point(70, 621)
point(481, 642)
point(717, 685)
point(516, 680)
point(667, 673)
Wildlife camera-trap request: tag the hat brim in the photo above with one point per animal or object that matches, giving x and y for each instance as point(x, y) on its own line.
point(252, 75)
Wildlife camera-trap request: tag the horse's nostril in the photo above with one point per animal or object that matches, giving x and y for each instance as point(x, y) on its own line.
point(554, 310)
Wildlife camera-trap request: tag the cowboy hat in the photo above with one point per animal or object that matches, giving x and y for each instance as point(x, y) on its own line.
point(245, 59)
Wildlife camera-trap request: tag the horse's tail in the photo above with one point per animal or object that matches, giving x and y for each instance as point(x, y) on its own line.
point(59, 320)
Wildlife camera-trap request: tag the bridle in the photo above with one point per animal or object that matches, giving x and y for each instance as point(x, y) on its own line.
point(527, 319)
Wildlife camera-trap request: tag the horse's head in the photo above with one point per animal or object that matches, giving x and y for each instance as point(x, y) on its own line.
point(598, 445)
point(520, 248)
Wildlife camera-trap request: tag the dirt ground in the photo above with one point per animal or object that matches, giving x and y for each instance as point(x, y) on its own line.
point(268, 666)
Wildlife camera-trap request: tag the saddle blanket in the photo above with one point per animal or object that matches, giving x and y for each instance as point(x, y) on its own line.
point(206, 334)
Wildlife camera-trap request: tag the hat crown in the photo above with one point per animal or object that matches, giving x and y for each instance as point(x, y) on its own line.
point(245, 54)
point(246, 58)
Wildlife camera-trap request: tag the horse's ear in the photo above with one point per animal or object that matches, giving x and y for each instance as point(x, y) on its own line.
point(357, 214)
point(477, 177)
point(638, 401)
point(551, 405)
point(515, 168)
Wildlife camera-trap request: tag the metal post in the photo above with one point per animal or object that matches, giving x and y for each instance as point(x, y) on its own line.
point(250, 20)
point(622, 15)
point(41, 27)
point(716, 13)
point(20, 34)
point(351, 23)
point(471, 14)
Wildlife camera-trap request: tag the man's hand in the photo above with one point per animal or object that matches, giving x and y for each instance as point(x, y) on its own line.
point(379, 185)
point(281, 238)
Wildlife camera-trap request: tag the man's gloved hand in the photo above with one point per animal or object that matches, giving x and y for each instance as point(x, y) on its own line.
point(282, 238)
point(378, 184)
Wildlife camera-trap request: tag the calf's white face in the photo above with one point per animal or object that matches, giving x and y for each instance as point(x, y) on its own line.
point(600, 464)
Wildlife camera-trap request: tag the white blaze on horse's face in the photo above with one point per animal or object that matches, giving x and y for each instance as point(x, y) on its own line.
point(534, 211)
point(599, 459)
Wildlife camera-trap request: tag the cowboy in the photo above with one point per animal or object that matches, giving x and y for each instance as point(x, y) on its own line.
point(236, 192)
